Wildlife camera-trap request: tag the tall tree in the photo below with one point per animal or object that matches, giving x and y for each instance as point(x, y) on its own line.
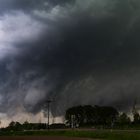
point(136, 118)
point(124, 119)
point(88, 115)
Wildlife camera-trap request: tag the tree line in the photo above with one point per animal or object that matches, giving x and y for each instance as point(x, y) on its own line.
point(103, 116)
point(16, 126)
point(85, 116)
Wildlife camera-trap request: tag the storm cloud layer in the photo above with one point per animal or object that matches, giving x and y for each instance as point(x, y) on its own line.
point(72, 51)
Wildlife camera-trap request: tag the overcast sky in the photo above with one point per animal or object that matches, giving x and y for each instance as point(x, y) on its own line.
point(73, 51)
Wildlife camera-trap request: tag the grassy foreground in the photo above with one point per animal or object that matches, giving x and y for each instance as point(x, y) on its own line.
point(97, 134)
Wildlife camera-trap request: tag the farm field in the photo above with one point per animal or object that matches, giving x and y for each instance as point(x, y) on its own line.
point(73, 135)
point(42, 138)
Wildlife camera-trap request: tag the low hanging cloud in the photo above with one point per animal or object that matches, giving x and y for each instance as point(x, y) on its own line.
point(75, 52)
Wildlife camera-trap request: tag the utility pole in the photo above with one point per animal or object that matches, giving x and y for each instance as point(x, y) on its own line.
point(48, 106)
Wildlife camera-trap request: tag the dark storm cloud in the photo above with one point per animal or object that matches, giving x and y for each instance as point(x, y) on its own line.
point(88, 53)
point(29, 5)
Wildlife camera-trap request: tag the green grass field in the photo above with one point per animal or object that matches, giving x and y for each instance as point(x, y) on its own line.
point(97, 134)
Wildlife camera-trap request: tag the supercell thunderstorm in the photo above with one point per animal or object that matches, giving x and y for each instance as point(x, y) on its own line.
point(74, 51)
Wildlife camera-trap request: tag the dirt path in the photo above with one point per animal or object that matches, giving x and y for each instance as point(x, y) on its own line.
point(41, 138)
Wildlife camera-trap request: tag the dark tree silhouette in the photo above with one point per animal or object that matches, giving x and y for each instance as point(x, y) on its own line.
point(136, 118)
point(124, 119)
point(88, 115)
